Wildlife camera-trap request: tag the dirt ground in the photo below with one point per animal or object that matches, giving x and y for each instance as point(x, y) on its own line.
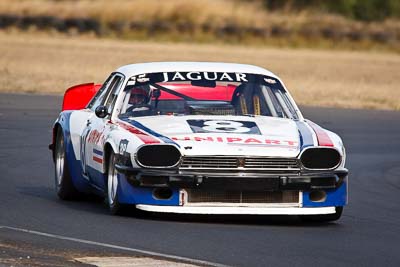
point(50, 63)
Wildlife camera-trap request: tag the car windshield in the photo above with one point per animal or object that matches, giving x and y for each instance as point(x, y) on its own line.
point(206, 93)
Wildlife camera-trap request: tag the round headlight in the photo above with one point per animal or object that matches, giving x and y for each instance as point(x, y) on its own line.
point(320, 158)
point(158, 156)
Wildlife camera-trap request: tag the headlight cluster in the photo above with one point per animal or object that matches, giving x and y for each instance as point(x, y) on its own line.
point(158, 156)
point(320, 158)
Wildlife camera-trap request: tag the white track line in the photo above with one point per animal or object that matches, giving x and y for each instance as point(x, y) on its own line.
point(146, 252)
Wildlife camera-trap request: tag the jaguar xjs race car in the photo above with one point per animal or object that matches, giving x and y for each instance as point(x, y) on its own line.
point(197, 138)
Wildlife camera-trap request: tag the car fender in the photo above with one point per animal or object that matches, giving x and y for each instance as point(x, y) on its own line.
point(73, 164)
point(338, 144)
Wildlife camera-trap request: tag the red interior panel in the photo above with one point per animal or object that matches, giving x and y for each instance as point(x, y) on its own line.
point(220, 92)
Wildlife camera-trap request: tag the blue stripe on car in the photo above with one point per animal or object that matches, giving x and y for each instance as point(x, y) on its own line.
point(306, 138)
point(97, 152)
point(149, 131)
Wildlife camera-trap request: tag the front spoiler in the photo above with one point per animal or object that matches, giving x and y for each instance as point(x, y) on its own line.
point(234, 180)
point(238, 210)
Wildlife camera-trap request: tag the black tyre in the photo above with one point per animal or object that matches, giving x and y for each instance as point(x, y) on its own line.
point(115, 207)
point(323, 218)
point(64, 187)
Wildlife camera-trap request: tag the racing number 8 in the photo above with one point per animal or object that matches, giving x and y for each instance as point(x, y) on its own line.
point(225, 126)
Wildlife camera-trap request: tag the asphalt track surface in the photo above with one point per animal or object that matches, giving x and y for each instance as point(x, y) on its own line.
point(368, 234)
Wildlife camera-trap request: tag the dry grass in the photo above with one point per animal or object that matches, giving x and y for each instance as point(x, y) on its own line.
point(197, 12)
point(49, 64)
point(229, 21)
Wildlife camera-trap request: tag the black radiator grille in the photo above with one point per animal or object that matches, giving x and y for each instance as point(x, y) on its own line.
point(199, 196)
point(239, 162)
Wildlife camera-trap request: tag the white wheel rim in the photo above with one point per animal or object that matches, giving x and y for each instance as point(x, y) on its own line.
point(60, 158)
point(112, 182)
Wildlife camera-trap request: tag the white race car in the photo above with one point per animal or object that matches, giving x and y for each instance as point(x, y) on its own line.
point(197, 138)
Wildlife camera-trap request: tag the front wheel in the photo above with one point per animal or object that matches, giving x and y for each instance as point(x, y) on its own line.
point(324, 217)
point(64, 187)
point(115, 207)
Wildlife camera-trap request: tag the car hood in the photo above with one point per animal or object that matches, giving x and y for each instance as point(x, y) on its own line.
point(222, 135)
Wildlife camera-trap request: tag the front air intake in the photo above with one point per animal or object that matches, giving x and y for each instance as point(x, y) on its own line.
point(158, 156)
point(320, 158)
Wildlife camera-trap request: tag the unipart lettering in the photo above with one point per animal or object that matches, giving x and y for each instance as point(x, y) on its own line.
point(237, 140)
point(253, 140)
point(196, 138)
point(210, 76)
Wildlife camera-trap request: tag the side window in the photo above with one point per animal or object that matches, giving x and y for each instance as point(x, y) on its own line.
point(112, 97)
point(99, 96)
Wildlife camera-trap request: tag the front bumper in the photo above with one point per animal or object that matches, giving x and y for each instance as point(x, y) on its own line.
point(234, 179)
point(238, 210)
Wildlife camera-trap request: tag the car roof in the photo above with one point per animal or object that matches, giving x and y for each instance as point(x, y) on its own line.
point(151, 67)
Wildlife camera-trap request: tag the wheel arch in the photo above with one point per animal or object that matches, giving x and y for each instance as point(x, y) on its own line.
point(56, 126)
point(62, 123)
point(108, 148)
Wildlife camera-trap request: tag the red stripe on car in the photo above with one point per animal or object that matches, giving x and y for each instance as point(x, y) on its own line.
point(98, 160)
point(146, 138)
point(322, 137)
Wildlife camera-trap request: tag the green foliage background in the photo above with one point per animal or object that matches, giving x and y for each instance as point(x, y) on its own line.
point(365, 10)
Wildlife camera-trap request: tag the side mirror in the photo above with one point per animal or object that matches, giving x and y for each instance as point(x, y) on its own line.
point(101, 111)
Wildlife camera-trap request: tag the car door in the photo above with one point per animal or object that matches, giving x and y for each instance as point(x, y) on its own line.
point(82, 119)
point(97, 130)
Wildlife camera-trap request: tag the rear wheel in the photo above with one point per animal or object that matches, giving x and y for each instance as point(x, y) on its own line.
point(64, 187)
point(115, 207)
point(323, 218)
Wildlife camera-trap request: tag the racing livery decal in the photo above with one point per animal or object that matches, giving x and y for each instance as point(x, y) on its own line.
point(210, 76)
point(322, 136)
point(238, 140)
point(144, 137)
point(95, 137)
point(223, 126)
point(97, 156)
point(123, 146)
point(191, 76)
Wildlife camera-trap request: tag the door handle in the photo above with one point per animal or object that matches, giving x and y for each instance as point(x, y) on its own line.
point(88, 122)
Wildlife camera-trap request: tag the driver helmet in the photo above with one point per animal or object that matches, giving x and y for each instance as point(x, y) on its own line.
point(138, 96)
